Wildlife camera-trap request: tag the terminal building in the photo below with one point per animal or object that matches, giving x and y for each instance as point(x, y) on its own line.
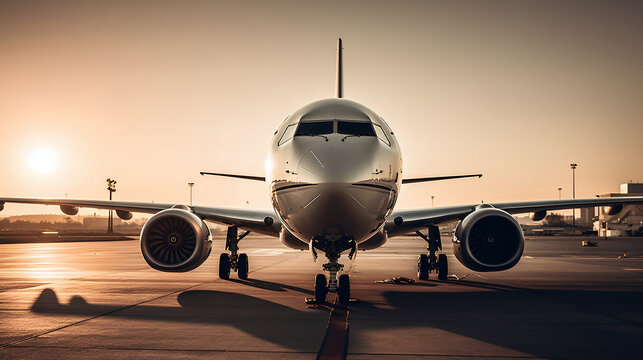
point(628, 221)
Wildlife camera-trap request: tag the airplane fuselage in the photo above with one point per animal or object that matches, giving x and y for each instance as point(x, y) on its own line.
point(334, 171)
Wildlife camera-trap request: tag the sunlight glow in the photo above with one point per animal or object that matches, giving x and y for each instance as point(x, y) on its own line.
point(42, 160)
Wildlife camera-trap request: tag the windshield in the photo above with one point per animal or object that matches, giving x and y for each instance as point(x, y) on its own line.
point(355, 128)
point(314, 128)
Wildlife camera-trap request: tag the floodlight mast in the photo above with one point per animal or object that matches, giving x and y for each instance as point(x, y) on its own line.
point(191, 185)
point(111, 187)
point(573, 166)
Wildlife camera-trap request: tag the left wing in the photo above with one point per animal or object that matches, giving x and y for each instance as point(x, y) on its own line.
point(237, 176)
point(261, 221)
point(405, 221)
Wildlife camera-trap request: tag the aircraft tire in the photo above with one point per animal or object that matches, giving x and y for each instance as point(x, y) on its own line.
point(443, 267)
point(321, 288)
point(242, 266)
point(224, 266)
point(344, 289)
point(423, 267)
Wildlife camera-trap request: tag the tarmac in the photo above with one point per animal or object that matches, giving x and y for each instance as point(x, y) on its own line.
point(98, 300)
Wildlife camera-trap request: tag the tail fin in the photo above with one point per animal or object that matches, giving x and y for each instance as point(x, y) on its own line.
point(339, 79)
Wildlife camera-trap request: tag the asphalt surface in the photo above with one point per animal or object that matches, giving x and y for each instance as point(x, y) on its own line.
point(100, 300)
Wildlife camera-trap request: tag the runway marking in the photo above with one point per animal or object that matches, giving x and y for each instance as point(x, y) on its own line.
point(335, 343)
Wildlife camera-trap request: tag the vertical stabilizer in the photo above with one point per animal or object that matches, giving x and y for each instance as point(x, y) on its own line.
point(339, 80)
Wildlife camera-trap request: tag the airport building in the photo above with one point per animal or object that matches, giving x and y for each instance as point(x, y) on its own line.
point(628, 221)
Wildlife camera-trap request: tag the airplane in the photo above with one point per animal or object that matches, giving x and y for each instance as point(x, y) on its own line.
point(334, 173)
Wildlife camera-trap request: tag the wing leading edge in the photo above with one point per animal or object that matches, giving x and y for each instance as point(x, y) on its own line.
point(260, 221)
point(404, 221)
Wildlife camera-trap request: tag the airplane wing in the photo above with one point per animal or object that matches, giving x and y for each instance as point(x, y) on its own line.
point(405, 221)
point(237, 176)
point(260, 221)
point(438, 178)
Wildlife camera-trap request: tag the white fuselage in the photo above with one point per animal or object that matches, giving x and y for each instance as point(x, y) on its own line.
point(334, 171)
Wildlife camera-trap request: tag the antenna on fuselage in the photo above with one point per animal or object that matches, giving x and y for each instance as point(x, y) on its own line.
point(339, 76)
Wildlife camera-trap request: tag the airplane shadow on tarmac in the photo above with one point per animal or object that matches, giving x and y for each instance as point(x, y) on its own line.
point(544, 323)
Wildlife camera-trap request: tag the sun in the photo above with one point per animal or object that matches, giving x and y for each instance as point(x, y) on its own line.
point(42, 160)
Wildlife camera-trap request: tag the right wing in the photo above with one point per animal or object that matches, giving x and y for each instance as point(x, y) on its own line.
point(438, 178)
point(405, 221)
point(260, 221)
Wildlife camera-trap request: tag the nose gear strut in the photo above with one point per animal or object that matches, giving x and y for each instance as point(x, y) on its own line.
point(332, 283)
point(427, 264)
point(233, 261)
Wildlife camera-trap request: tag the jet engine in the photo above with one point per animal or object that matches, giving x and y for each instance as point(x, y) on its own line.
point(175, 240)
point(488, 239)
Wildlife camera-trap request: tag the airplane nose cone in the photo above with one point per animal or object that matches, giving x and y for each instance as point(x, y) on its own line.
point(339, 163)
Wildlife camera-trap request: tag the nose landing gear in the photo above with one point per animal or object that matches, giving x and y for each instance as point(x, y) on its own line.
point(233, 261)
point(341, 286)
point(334, 284)
point(431, 262)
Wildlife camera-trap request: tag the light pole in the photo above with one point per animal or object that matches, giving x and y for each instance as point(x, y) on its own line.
point(432, 198)
point(111, 187)
point(191, 185)
point(573, 166)
point(560, 194)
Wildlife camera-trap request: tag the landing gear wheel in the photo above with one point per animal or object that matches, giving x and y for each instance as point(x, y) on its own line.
point(320, 288)
point(224, 266)
point(344, 289)
point(423, 267)
point(443, 267)
point(242, 266)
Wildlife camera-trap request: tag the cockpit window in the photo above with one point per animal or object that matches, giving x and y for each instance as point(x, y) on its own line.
point(288, 134)
point(382, 135)
point(314, 128)
point(355, 128)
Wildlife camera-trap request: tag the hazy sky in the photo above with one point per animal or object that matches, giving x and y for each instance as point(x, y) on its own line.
point(151, 93)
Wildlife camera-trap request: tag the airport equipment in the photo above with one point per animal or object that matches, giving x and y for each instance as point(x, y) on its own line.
point(573, 166)
point(334, 173)
point(111, 187)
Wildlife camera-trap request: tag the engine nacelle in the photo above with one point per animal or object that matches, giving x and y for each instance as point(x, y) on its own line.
point(69, 210)
point(291, 240)
point(488, 239)
point(175, 240)
point(538, 215)
point(613, 210)
point(374, 241)
point(124, 215)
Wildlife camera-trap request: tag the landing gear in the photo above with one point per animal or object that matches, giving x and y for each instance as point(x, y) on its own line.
point(431, 262)
point(320, 288)
point(224, 266)
point(443, 267)
point(332, 283)
point(233, 261)
point(344, 291)
point(242, 266)
point(423, 267)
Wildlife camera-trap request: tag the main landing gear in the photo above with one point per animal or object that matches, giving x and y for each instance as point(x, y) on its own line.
point(333, 284)
point(233, 261)
point(431, 262)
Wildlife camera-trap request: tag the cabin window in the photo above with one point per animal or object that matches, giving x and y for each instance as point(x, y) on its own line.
point(381, 134)
point(288, 134)
point(314, 128)
point(355, 128)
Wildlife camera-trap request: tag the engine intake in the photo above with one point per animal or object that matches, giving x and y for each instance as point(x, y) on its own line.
point(488, 239)
point(175, 240)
